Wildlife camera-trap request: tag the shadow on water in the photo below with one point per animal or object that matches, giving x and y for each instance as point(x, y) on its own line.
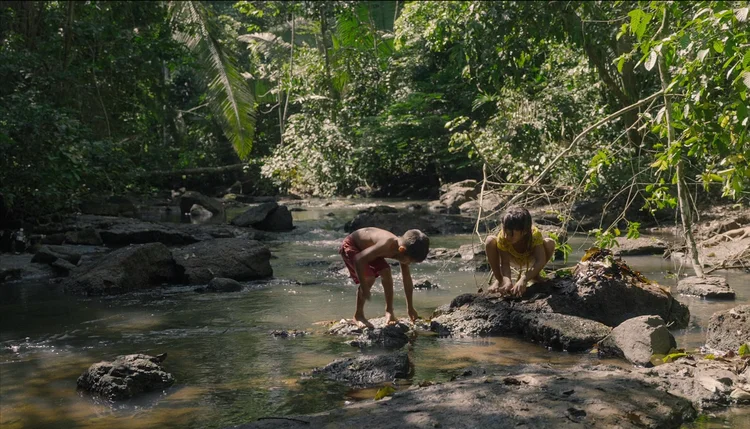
point(228, 369)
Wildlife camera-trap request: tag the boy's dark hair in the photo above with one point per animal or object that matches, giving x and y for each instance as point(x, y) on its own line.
point(517, 219)
point(417, 245)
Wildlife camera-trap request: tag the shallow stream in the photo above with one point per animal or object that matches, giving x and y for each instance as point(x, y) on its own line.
point(228, 369)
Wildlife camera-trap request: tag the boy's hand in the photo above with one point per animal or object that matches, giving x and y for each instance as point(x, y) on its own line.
point(413, 314)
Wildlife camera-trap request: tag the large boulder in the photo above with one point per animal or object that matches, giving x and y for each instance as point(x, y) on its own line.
point(127, 269)
point(255, 214)
point(707, 287)
point(637, 339)
point(490, 202)
point(278, 220)
point(729, 329)
point(456, 196)
point(477, 315)
point(233, 258)
point(126, 376)
point(87, 236)
point(188, 199)
point(367, 370)
point(601, 293)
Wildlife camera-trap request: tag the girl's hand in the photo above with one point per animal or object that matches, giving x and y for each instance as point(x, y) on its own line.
point(520, 288)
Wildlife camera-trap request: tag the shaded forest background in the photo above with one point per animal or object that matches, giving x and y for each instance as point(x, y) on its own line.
point(387, 97)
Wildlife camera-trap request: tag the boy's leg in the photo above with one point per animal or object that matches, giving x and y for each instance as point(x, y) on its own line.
point(386, 277)
point(493, 257)
point(362, 291)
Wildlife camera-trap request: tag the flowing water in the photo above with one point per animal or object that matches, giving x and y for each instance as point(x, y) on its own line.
point(228, 369)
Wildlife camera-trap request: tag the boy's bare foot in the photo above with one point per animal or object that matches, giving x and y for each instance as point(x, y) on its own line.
point(362, 322)
point(390, 319)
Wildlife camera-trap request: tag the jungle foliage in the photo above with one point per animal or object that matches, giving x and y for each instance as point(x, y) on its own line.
point(328, 96)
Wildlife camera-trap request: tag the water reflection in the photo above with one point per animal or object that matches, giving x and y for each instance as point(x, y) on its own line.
point(228, 369)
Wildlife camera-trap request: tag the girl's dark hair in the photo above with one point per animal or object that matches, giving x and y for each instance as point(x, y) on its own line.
point(518, 219)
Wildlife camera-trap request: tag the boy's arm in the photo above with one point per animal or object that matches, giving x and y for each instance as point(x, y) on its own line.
point(379, 249)
point(408, 289)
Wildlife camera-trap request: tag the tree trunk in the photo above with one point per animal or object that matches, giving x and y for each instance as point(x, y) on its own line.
point(683, 203)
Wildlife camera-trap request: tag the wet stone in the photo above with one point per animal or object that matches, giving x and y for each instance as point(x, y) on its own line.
point(126, 376)
point(283, 333)
point(709, 287)
point(385, 336)
point(367, 370)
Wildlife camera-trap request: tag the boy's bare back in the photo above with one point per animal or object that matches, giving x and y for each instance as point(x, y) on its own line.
point(368, 237)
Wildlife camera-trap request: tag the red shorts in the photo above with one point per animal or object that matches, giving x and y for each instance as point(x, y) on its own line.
point(349, 250)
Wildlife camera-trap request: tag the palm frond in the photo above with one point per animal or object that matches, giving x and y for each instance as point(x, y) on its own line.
point(229, 97)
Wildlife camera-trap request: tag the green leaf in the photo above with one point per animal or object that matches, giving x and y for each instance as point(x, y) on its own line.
point(384, 391)
point(744, 349)
point(719, 46)
point(620, 63)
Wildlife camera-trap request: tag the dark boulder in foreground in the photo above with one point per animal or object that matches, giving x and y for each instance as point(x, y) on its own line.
point(571, 312)
point(232, 258)
point(127, 269)
point(367, 370)
point(729, 329)
point(126, 376)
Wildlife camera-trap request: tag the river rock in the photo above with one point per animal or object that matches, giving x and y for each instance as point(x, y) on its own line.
point(220, 284)
point(112, 206)
point(640, 246)
point(130, 268)
point(62, 267)
point(425, 285)
point(233, 258)
point(477, 315)
point(491, 202)
point(386, 336)
point(188, 199)
point(438, 207)
point(278, 220)
point(126, 376)
point(602, 289)
point(399, 223)
point(472, 252)
point(367, 370)
point(197, 211)
point(442, 253)
point(51, 253)
point(529, 396)
point(637, 339)
point(255, 213)
point(139, 232)
point(456, 196)
point(728, 330)
point(708, 287)
point(87, 236)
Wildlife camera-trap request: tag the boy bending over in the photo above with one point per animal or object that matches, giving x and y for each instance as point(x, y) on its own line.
point(364, 251)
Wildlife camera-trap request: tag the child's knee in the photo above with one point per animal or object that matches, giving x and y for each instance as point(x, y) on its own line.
point(490, 242)
point(549, 247)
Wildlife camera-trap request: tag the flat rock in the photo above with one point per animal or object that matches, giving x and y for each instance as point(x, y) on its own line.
point(477, 315)
point(220, 284)
point(127, 269)
point(385, 336)
point(708, 287)
point(126, 376)
point(367, 370)
point(278, 220)
point(531, 396)
point(728, 330)
point(87, 236)
point(637, 339)
point(640, 246)
point(471, 252)
point(50, 253)
point(233, 258)
point(442, 253)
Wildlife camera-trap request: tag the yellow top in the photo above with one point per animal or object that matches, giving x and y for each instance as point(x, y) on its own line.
point(521, 258)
